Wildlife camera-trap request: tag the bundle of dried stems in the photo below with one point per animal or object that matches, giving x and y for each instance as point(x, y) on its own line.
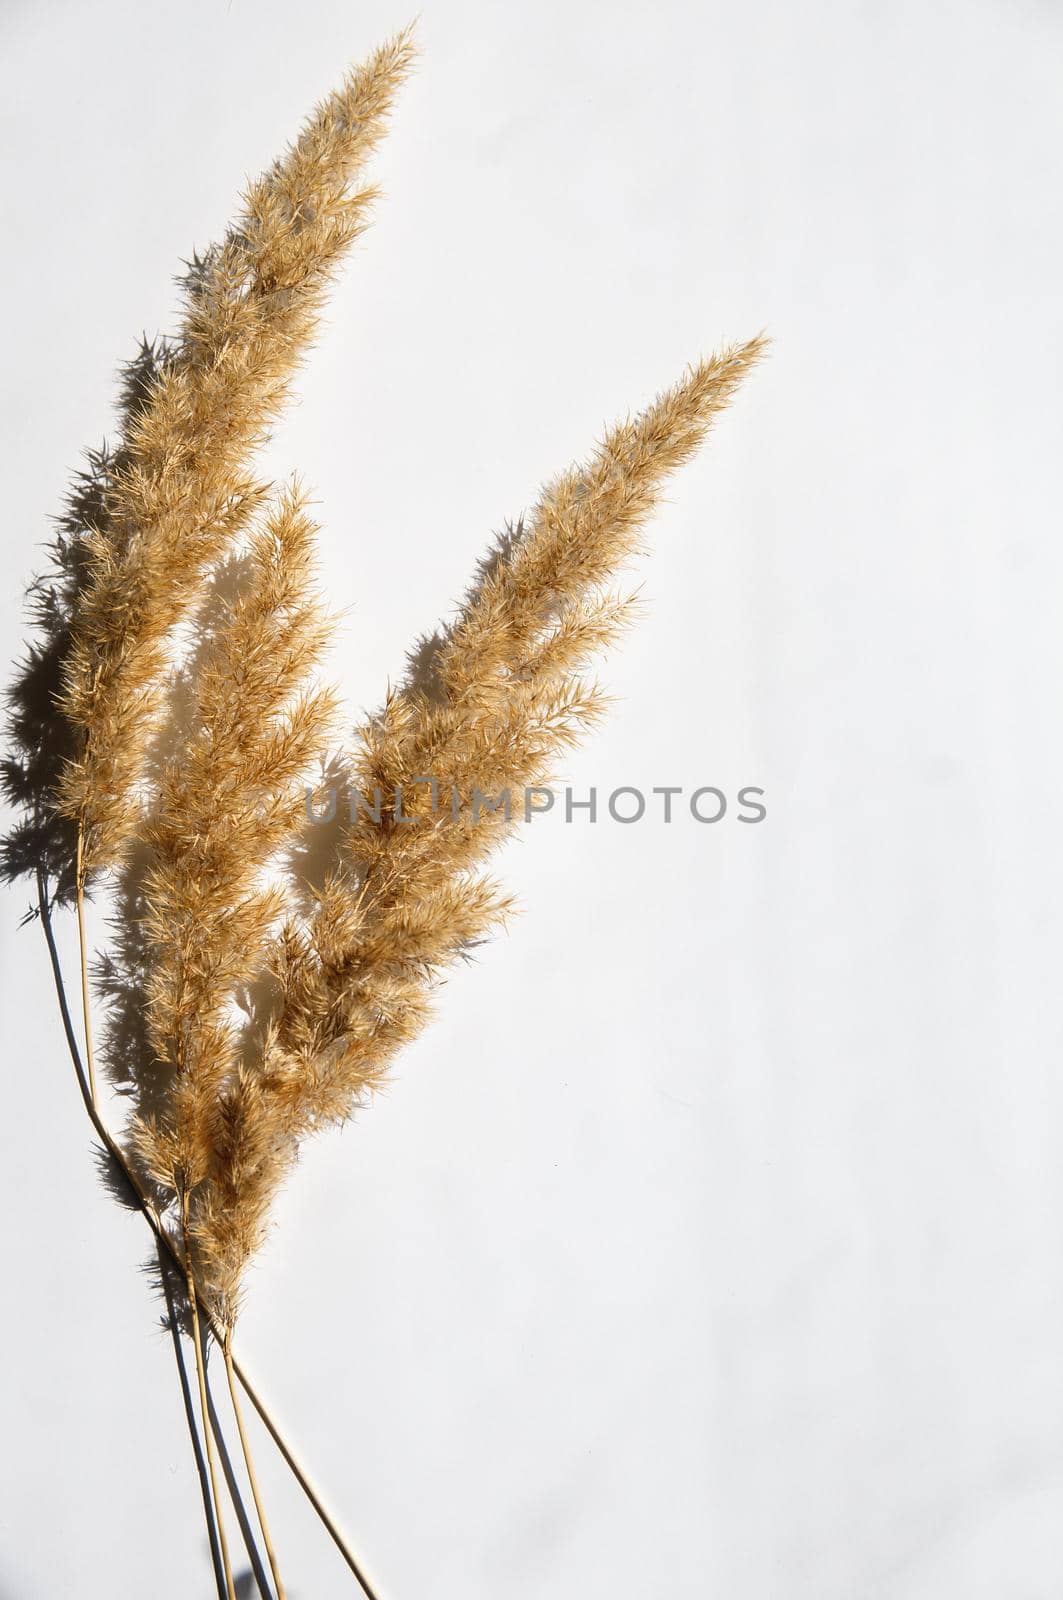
point(181, 645)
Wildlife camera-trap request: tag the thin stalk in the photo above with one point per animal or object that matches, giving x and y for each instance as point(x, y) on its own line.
point(147, 1210)
point(258, 1572)
point(302, 1477)
point(190, 1417)
point(86, 1007)
point(252, 1476)
point(201, 1377)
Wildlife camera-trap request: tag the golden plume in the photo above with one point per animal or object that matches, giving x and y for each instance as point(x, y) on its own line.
point(263, 1018)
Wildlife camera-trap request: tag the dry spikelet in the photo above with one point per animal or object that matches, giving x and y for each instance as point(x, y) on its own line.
point(229, 799)
point(584, 527)
point(179, 488)
point(504, 698)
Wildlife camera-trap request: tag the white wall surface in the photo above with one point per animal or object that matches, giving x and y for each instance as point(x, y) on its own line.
point(710, 1244)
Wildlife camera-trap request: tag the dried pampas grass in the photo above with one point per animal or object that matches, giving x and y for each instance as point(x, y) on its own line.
point(183, 636)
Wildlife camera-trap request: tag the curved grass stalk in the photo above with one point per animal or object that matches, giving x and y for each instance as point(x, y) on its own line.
point(86, 1011)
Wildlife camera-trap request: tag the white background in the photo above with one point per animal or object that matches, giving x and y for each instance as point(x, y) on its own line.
point(709, 1244)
